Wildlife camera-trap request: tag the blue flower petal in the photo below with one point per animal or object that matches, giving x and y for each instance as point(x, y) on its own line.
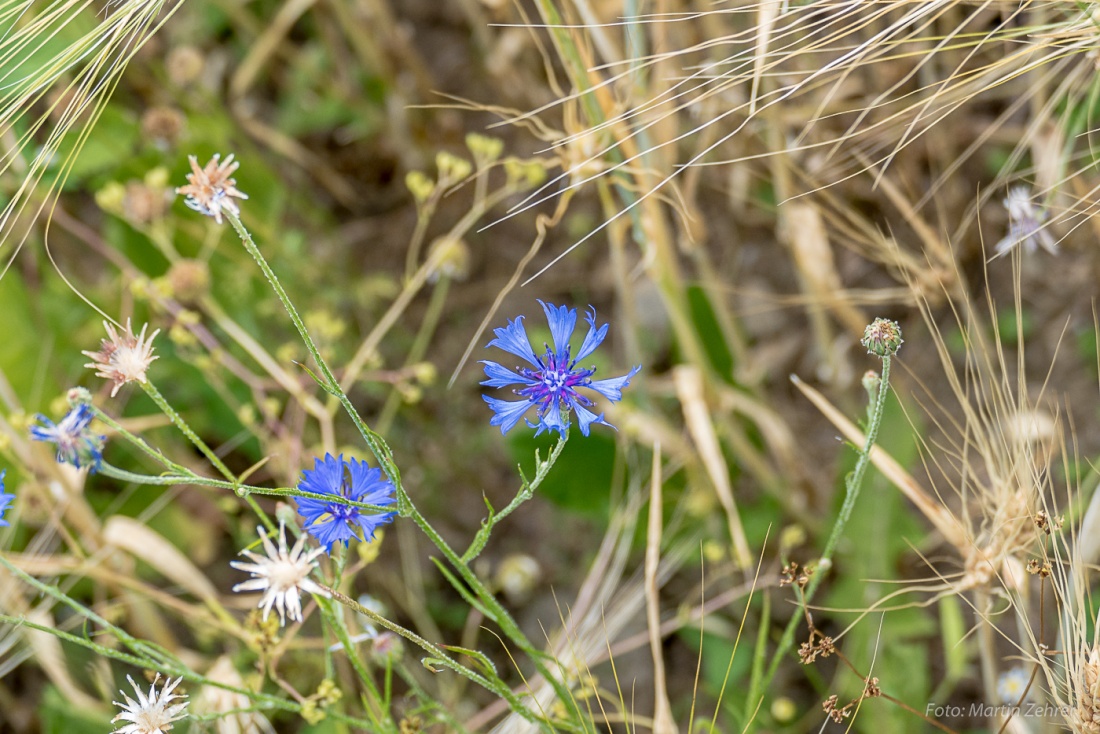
point(370, 523)
point(586, 418)
point(330, 532)
point(335, 521)
point(325, 478)
point(5, 500)
point(513, 338)
point(76, 444)
point(506, 412)
point(553, 385)
point(562, 322)
point(501, 376)
point(593, 338)
point(612, 388)
point(553, 420)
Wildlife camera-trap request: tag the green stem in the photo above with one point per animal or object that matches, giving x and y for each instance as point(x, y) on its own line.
point(527, 490)
point(136, 440)
point(376, 443)
point(188, 477)
point(853, 484)
point(174, 670)
point(212, 457)
point(440, 655)
point(185, 429)
point(385, 459)
point(146, 651)
point(160, 458)
point(380, 717)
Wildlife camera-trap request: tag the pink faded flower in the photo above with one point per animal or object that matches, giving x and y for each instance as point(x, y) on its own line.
point(123, 357)
point(210, 190)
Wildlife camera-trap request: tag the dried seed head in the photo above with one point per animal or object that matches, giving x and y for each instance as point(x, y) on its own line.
point(184, 65)
point(282, 574)
point(882, 337)
point(162, 125)
point(837, 714)
point(144, 204)
point(189, 280)
point(123, 357)
point(1085, 715)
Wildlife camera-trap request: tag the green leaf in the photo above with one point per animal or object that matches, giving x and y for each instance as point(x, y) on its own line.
point(483, 662)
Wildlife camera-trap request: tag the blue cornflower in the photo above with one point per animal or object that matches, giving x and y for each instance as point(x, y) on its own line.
point(76, 444)
point(330, 522)
point(5, 500)
point(551, 386)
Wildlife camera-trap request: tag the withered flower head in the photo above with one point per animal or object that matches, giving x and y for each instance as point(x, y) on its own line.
point(123, 357)
point(210, 190)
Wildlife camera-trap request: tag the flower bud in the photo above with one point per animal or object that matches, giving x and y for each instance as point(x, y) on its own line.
point(871, 382)
point(484, 148)
point(286, 513)
point(163, 126)
point(882, 337)
point(419, 185)
point(386, 648)
point(451, 167)
point(110, 197)
point(78, 396)
point(517, 576)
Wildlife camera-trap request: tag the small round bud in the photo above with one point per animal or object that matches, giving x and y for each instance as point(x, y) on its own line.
point(450, 258)
point(792, 536)
point(286, 513)
point(144, 204)
point(871, 382)
point(517, 576)
point(451, 167)
point(484, 148)
point(425, 373)
point(882, 337)
point(386, 648)
point(110, 197)
point(184, 65)
point(784, 710)
point(78, 396)
point(420, 186)
point(189, 280)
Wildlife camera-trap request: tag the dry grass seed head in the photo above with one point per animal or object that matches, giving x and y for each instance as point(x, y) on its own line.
point(995, 450)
